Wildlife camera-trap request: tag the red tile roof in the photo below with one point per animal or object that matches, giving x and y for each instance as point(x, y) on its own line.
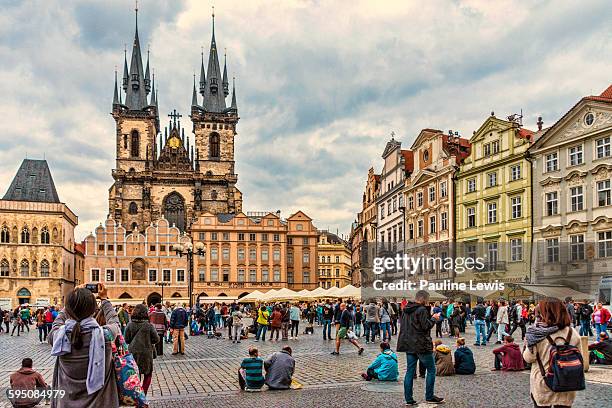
point(79, 247)
point(605, 96)
point(450, 146)
point(408, 160)
point(526, 134)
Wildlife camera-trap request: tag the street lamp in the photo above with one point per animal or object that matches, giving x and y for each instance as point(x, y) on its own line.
point(188, 250)
point(163, 285)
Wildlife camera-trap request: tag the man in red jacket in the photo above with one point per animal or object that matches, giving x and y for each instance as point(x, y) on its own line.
point(508, 357)
point(26, 379)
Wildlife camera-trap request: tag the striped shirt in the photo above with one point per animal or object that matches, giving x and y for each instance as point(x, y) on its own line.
point(253, 367)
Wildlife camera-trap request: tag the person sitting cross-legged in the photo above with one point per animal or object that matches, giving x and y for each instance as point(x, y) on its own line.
point(444, 359)
point(601, 352)
point(250, 375)
point(279, 369)
point(464, 358)
point(508, 357)
point(384, 367)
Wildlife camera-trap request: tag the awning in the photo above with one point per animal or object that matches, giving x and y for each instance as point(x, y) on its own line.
point(556, 291)
point(481, 293)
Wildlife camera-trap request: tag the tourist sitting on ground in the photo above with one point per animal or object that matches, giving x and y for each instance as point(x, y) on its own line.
point(601, 352)
point(444, 359)
point(384, 367)
point(250, 375)
point(279, 369)
point(26, 379)
point(464, 358)
point(508, 357)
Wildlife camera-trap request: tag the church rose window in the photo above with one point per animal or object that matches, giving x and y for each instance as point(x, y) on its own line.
point(174, 210)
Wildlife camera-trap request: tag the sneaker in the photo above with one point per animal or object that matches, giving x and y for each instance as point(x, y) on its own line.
point(367, 342)
point(476, 344)
point(256, 340)
point(498, 342)
point(436, 400)
point(411, 403)
point(238, 341)
point(484, 344)
point(334, 353)
point(360, 352)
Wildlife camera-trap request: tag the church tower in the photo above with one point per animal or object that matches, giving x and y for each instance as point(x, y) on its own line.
point(214, 126)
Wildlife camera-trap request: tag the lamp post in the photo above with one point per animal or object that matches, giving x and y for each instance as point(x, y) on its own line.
point(189, 250)
point(163, 285)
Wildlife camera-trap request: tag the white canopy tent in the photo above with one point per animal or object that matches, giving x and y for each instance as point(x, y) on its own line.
point(283, 294)
point(252, 297)
point(349, 291)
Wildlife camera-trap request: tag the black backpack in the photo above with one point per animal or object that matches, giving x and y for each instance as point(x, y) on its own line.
point(566, 368)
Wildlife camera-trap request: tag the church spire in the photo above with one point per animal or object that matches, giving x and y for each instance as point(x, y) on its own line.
point(194, 96)
point(234, 104)
point(214, 100)
point(202, 75)
point(225, 82)
point(153, 94)
point(125, 69)
point(116, 93)
point(147, 79)
point(136, 95)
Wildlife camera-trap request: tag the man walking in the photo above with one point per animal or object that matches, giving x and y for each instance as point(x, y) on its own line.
point(345, 321)
point(415, 340)
point(158, 319)
point(372, 320)
point(479, 312)
point(178, 322)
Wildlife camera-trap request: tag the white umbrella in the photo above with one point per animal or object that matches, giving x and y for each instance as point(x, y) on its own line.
point(349, 291)
point(268, 295)
point(332, 292)
point(251, 297)
point(283, 294)
point(316, 293)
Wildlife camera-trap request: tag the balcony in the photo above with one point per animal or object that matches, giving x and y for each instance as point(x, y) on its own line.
point(493, 267)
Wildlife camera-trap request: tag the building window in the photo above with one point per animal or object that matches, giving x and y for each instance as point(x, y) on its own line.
point(577, 247)
point(516, 249)
point(552, 250)
point(133, 208)
point(264, 254)
point(304, 241)
point(45, 237)
point(44, 268)
point(214, 275)
point(276, 237)
point(277, 275)
point(552, 203)
point(492, 177)
point(420, 228)
point(443, 189)
point(95, 275)
point(603, 193)
point(589, 118)
point(5, 236)
point(289, 276)
point(604, 243)
point(276, 255)
point(135, 144)
point(443, 221)
point(214, 254)
point(394, 204)
point(226, 236)
point(491, 213)
point(576, 156)
point(110, 275)
point(213, 236)
point(603, 147)
point(241, 254)
point(411, 231)
point(515, 172)
point(471, 185)
point(264, 237)
point(226, 254)
point(306, 257)
point(306, 277)
point(252, 237)
point(226, 274)
point(290, 257)
point(420, 199)
point(487, 150)
point(516, 204)
point(493, 256)
point(125, 275)
point(241, 275)
point(470, 251)
point(495, 146)
point(152, 275)
point(432, 224)
point(577, 198)
point(265, 275)
point(432, 194)
point(152, 248)
point(471, 217)
point(5, 268)
point(25, 235)
point(240, 237)
point(215, 150)
point(202, 236)
point(382, 211)
point(252, 275)
point(166, 275)
point(252, 254)
point(410, 202)
point(388, 207)
point(202, 275)
point(552, 162)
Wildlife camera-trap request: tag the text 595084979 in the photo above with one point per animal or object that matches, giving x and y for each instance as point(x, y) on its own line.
point(46, 393)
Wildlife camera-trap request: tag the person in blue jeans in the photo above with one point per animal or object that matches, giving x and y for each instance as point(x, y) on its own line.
point(479, 312)
point(328, 315)
point(415, 340)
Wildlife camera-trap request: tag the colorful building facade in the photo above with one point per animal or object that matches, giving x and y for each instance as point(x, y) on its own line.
point(335, 267)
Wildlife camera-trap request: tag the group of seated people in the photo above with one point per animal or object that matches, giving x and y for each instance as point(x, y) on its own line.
point(279, 368)
point(601, 351)
point(464, 363)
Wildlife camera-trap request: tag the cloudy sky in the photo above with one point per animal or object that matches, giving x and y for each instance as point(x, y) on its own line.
point(320, 84)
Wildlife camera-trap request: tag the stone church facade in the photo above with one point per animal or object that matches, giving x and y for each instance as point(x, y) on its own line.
point(173, 175)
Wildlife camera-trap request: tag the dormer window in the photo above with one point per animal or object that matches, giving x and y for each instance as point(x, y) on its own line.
point(213, 85)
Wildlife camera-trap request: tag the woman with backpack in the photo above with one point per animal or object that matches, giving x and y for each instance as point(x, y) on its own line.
point(141, 336)
point(552, 337)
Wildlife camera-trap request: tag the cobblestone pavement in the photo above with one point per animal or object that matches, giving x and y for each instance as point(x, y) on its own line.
point(206, 376)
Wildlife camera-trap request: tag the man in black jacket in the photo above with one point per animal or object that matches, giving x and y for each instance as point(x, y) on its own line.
point(415, 340)
point(479, 312)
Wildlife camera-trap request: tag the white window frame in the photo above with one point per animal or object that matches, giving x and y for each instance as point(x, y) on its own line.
point(515, 172)
point(552, 250)
point(443, 189)
point(178, 275)
point(551, 162)
point(603, 147)
point(91, 275)
point(471, 185)
point(492, 212)
point(516, 249)
point(550, 198)
point(604, 186)
point(149, 275)
point(516, 207)
point(576, 199)
point(492, 179)
point(106, 271)
point(432, 194)
point(163, 272)
point(468, 215)
point(604, 244)
point(575, 155)
point(129, 275)
point(432, 224)
point(577, 252)
point(443, 221)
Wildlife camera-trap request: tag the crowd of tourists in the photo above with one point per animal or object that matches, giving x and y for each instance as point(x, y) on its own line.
point(105, 354)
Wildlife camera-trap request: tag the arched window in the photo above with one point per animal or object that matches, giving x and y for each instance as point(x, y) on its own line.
point(133, 209)
point(125, 142)
point(174, 210)
point(25, 235)
point(5, 235)
point(34, 236)
point(215, 148)
point(135, 144)
point(4, 268)
point(44, 268)
point(25, 268)
point(45, 238)
point(134, 226)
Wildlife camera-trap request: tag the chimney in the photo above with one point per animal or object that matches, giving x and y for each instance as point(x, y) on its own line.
point(540, 123)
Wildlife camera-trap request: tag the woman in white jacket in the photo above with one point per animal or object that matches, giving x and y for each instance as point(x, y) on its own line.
point(552, 319)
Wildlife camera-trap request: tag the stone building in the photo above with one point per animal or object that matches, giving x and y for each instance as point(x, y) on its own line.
point(173, 175)
point(334, 261)
point(429, 197)
point(572, 206)
point(493, 210)
point(132, 264)
point(37, 251)
point(254, 251)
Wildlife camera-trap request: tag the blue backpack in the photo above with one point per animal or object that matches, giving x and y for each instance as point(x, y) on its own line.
point(566, 368)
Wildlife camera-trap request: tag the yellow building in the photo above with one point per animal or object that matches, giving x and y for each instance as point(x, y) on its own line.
point(493, 210)
point(334, 261)
point(37, 251)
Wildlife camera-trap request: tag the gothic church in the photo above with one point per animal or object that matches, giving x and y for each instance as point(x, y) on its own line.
point(164, 174)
